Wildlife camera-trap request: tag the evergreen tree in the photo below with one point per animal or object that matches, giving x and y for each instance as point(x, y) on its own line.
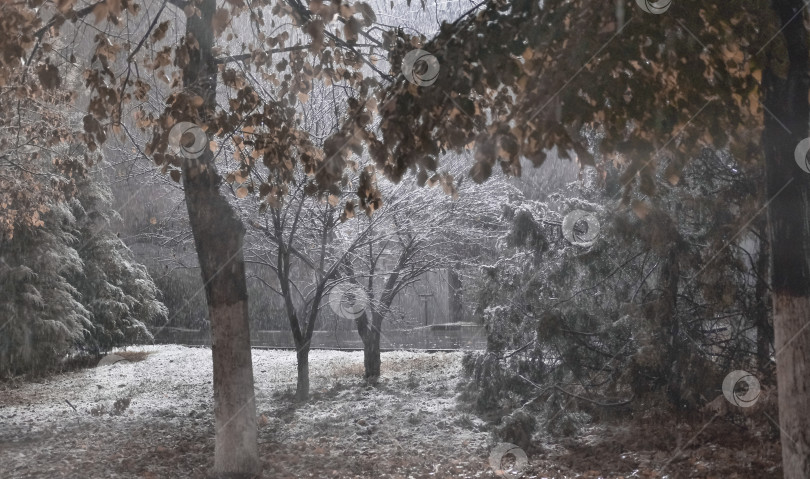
point(118, 292)
point(67, 282)
point(42, 315)
point(652, 309)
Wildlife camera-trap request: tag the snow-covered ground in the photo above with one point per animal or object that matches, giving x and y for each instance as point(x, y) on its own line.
point(410, 425)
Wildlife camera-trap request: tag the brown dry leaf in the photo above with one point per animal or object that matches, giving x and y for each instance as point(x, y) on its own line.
point(641, 209)
point(346, 10)
point(220, 21)
point(65, 5)
point(674, 179)
point(101, 11)
point(241, 192)
point(48, 76)
point(160, 31)
point(367, 12)
point(351, 30)
point(114, 7)
point(348, 211)
point(315, 30)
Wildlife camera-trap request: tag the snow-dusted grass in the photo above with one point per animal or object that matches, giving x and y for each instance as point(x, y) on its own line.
point(410, 426)
point(412, 414)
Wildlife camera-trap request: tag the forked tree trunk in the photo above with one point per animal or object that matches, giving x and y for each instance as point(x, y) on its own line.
point(788, 191)
point(370, 331)
point(218, 235)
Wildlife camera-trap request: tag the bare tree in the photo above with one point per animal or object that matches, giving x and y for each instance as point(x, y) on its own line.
point(294, 240)
point(445, 226)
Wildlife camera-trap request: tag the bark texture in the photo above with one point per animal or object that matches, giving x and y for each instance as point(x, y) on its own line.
point(788, 192)
point(370, 331)
point(454, 289)
point(218, 236)
point(370, 334)
point(302, 386)
point(666, 312)
point(762, 318)
point(793, 378)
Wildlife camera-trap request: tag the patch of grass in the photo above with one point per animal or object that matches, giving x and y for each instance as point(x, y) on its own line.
point(134, 356)
point(410, 364)
point(465, 421)
point(120, 405)
point(76, 362)
point(349, 370)
point(334, 390)
point(285, 395)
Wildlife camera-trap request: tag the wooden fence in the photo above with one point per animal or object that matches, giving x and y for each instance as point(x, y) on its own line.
point(456, 336)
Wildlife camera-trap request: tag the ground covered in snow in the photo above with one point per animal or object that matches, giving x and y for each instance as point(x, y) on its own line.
point(154, 419)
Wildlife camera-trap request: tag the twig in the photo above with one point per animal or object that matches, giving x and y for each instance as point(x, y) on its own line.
point(593, 401)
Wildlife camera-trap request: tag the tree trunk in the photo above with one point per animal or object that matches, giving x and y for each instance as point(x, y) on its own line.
point(302, 387)
point(762, 311)
point(788, 190)
point(667, 314)
point(791, 314)
point(371, 358)
point(454, 294)
point(218, 236)
point(370, 334)
point(371, 350)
